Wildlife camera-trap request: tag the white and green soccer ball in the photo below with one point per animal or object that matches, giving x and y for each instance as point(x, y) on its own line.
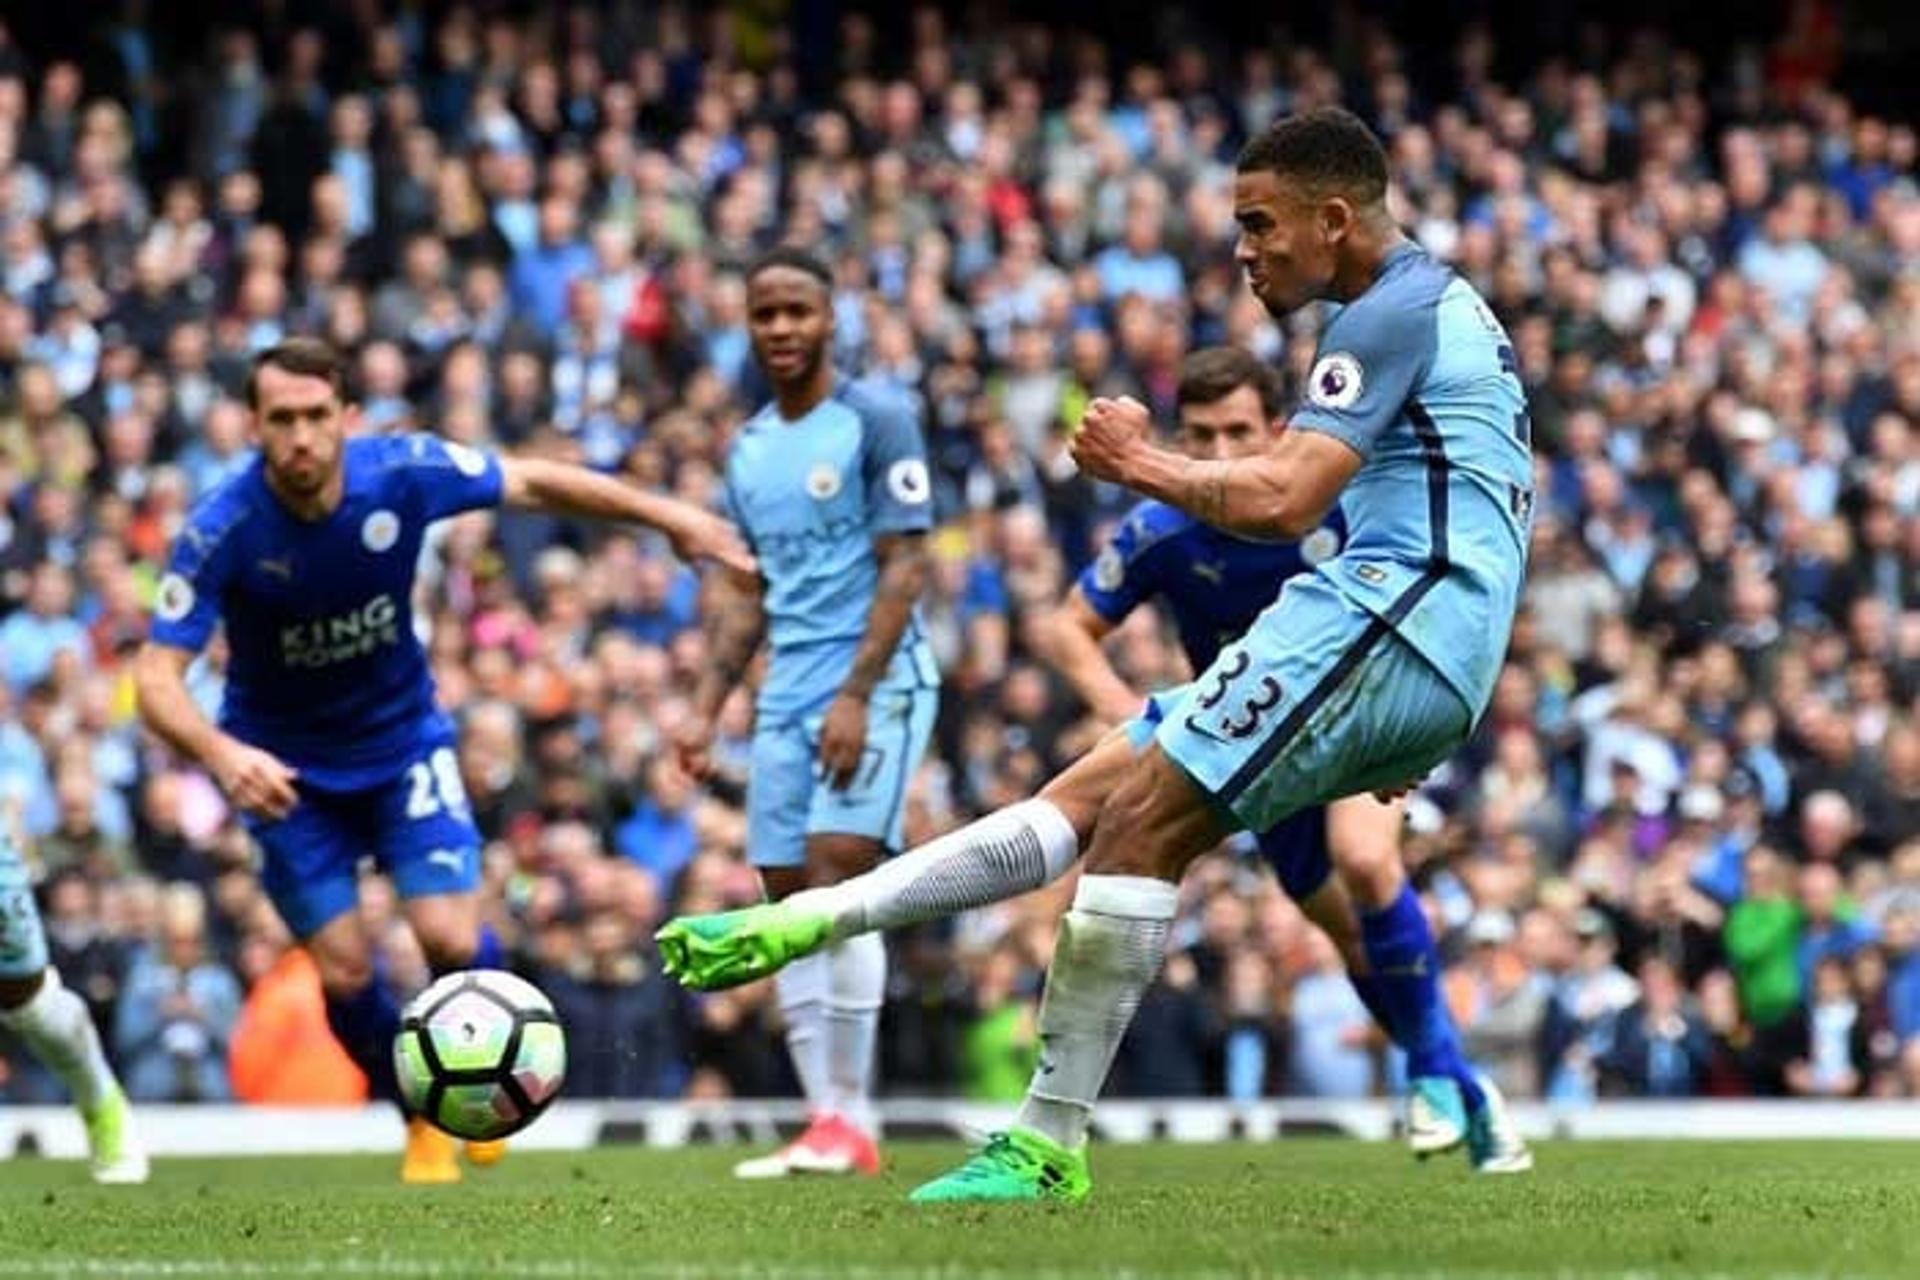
point(480, 1054)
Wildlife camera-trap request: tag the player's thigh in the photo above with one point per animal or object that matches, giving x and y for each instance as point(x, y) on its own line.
point(780, 783)
point(23, 943)
point(873, 805)
point(421, 831)
point(1155, 822)
point(1317, 701)
point(1079, 790)
point(309, 862)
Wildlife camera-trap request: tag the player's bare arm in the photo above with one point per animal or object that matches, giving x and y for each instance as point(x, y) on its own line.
point(1071, 637)
point(252, 779)
point(539, 484)
point(904, 567)
point(1283, 493)
point(736, 624)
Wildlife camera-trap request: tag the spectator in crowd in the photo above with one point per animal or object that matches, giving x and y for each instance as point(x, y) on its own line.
point(177, 1013)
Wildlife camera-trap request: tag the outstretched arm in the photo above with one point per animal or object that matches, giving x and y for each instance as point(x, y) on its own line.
point(540, 484)
point(1284, 493)
point(903, 577)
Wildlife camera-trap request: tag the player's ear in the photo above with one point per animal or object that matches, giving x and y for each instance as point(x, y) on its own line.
point(350, 419)
point(1336, 219)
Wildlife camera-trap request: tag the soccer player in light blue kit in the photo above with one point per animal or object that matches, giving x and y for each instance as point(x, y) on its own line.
point(56, 1026)
point(330, 740)
point(1361, 677)
point(1216, 584)
point(829, 483)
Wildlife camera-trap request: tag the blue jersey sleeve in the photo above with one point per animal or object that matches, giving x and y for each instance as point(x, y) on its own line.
point(449, 478)
point(1371, 358)
point(186, 603)
point(893, 465)
point(1123, 575)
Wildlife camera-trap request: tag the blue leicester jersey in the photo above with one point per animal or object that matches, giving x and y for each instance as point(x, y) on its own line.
point(1215, 584)
point(326, 671)
point(810, 496)
point(1418, 377)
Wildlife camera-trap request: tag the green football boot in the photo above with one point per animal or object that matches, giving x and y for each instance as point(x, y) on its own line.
point(728, 948)
point(118, 1159)
point(1018, 1164)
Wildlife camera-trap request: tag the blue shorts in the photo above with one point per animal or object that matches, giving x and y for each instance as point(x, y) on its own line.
point(1296, 849)
point(23, 944)
point(787, 800)
point(1318, 700)
point(417, 826)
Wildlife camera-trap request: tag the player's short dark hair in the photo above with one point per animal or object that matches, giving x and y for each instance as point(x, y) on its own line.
point(1329, 149)
point(1211, 375)
point(308, 357)
point(796, 258)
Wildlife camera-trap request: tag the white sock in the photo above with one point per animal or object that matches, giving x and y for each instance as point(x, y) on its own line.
point(59, 1031)
point(859, 986)
point(1105, 956)
point(1003, 855)
point(802, 987)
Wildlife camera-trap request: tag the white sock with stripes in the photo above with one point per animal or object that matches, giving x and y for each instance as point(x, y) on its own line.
point(1105, 956)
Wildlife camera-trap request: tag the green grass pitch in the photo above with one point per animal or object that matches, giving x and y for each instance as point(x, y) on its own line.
point(1300, 1207)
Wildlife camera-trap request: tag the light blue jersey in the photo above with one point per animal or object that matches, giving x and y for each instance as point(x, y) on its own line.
point(1373, 668)
point(1420, 379)
point(811, 495)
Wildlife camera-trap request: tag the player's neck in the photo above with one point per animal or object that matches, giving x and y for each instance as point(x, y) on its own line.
point(1370, 247)
point(313, 506)
point(796, 400)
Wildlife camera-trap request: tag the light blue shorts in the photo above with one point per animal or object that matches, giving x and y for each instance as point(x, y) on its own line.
point(788, 800)
point(23, 944)
point(1318, 700)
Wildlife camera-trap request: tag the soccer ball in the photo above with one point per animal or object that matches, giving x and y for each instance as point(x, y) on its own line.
point(480, 1054)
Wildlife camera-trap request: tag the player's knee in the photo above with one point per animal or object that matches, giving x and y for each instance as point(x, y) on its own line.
point(1368, 860)
point(448, 945)
point(15, 992)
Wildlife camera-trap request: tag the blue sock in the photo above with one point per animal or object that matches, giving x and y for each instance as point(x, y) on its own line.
point(365, 1023)
point(1405, 996)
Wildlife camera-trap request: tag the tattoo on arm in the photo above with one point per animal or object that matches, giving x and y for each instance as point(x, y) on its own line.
point(1210, 494)
point(903, 577)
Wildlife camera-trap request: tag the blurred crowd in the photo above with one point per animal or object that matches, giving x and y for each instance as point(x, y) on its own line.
point(1681, 855)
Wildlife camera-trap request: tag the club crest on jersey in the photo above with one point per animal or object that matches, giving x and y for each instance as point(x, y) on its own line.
point(908, 483)
point(174, 599)
point(1321, 545)
point(1109, 570)
point(823, 482)
point(380, 531)
point(1336, 381)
